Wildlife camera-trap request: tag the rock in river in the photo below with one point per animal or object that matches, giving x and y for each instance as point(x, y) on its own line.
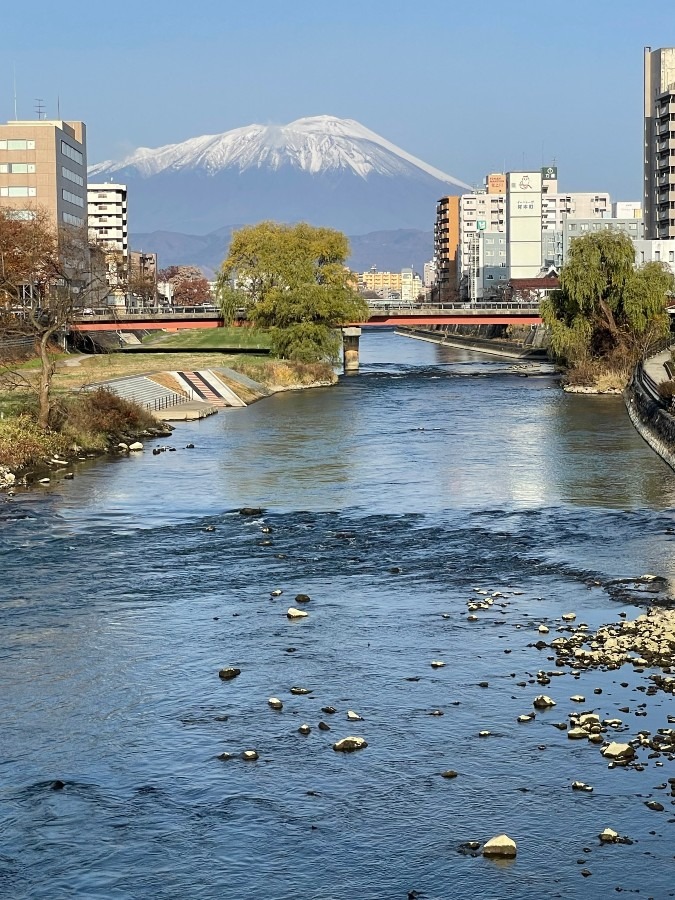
point(229, 673)
point(501, 846)
point(543, 702)
point(250, 755)
point(350, 744)
point(294, 613)
point(618, 752)
point(354, 716)
point(275, 703)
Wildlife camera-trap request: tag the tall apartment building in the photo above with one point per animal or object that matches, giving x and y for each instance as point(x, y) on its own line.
point(43, 166)
point(411, 285)
point(523, 224)
point(446, 244)
point(659, 143)
point(107, 215)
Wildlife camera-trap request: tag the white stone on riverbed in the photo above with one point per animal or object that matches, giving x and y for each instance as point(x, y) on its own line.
point(294, 613)
point(136, 446)
point(617, 751)
point(354, 716)
point(275, 703)
point(501, 846)
point(350, 744)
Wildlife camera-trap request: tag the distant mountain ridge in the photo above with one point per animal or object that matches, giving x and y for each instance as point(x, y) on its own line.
point(319, 169)
point(388, 250)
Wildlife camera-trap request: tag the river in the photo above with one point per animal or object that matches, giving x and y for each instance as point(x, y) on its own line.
point(391, 498)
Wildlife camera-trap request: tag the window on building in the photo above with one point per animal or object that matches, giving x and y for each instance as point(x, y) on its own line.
point(17, 145)
point(17, 191)
point(25, 215)
point(72, 176)
point(71, 153)
point(72, 198)
point(17, 168)
point(657, 255)
point(72, 220)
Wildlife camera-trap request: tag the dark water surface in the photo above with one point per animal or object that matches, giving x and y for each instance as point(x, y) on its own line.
point(117, 609)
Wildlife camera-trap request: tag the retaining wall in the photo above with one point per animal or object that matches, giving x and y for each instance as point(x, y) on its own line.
point(652, 421)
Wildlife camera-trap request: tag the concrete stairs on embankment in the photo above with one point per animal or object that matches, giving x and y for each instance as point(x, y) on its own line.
point(206, 386)
point(144, 391)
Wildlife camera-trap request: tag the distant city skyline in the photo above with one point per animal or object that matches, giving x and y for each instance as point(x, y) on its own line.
point(469, 88)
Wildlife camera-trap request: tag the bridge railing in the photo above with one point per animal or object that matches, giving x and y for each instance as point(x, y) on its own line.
point(116, 314)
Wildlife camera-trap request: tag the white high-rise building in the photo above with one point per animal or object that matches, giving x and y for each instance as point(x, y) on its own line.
point(107, 215)
point(411, 286)
point(659, 143)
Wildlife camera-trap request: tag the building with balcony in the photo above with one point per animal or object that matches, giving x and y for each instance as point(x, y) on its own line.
point(107, 217)
point(43, 166)
point(446, 244)
point(659, 143)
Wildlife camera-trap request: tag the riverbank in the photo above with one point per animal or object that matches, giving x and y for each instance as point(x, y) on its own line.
point(90, 423)
point(471, 338)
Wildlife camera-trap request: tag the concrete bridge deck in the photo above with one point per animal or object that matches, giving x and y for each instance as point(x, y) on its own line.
point(382, 314)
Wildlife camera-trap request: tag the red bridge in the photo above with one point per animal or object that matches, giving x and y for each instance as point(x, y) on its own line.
point(384, 314)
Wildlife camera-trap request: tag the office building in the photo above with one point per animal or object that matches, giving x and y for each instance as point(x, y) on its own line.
point(573, 228)
point(43, 166)
point(659, 143)
point(107, 217)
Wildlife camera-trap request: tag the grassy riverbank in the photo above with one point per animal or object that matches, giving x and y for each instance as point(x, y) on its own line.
point(92, 421)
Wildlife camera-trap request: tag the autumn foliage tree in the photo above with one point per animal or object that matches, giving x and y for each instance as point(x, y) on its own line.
point(190, 288)
point(293, 280)
point(45, 277)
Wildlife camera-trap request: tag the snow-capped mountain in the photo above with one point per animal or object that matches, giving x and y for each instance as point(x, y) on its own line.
point(322, 169)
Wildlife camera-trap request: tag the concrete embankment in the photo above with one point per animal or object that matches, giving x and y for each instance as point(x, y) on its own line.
point(649, 416)
point(484, 339)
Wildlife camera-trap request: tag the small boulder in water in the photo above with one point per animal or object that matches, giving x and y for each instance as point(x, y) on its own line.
point(293, 613)
point(354, 716)
point(302, 598)
point(350, 744)
point(304, 729)
point(229, 673)
point(250, 511)
point(501, 846)
point(275, 703)
point(250, 755)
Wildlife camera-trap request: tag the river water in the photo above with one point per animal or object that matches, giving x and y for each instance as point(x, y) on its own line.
point(118, 609)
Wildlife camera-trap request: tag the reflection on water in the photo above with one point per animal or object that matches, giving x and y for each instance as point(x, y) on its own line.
point(118, 609)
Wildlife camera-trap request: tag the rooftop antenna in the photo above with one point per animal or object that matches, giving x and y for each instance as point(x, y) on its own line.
point(39, 108)
point(16, 117)
point(58, 106)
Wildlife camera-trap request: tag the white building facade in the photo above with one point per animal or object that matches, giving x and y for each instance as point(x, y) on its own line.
point(523, 224)
point(107, 216)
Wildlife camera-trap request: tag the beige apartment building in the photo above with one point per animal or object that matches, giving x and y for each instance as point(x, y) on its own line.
point(381, 282)
point(659, 143)
point(43, 165)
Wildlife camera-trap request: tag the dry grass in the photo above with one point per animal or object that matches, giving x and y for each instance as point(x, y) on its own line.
point(276, 373)
point(600, 375)
point(23, 444)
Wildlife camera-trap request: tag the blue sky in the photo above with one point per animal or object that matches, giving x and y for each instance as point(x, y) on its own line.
point(469, 87)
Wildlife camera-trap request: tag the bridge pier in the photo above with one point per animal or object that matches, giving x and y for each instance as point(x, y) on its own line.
point(350, 349)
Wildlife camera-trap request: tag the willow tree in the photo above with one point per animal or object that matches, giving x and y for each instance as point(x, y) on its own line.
point(292, 279)
point(606, 307)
